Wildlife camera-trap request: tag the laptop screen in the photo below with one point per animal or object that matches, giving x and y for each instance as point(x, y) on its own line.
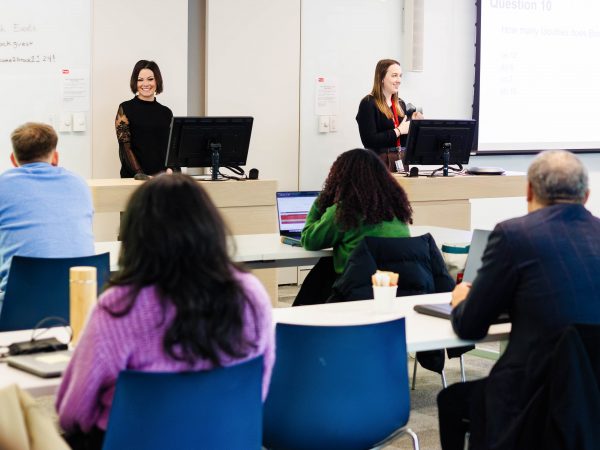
point(478, 245)
point(292, 209)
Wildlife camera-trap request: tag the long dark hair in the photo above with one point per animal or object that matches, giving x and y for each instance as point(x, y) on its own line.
point(364, 191)
point(174, 239)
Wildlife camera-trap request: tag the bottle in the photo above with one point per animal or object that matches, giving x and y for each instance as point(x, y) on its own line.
point(83, 291)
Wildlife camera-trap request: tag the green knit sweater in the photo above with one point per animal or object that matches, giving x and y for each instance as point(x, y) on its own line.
point(321, 231)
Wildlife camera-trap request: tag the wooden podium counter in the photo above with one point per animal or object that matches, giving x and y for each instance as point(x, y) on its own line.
point(248, 207)
point(444, 201)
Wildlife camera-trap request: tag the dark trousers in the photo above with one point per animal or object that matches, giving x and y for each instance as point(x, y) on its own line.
point(460, 406)
point(316, 288)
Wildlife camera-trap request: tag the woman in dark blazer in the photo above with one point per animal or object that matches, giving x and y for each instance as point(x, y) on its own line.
point(382, 120)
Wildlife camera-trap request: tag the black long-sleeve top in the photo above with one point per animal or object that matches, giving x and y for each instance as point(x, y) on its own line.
point(376, 130)
point(143, 133)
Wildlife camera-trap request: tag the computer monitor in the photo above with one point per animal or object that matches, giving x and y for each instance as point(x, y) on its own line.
point(208, 142)
point(440, 142)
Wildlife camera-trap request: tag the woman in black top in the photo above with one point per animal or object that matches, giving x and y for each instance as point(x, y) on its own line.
point(382, 120)
point(142, 124)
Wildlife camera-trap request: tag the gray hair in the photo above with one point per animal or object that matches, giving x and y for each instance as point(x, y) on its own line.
point(558, 176)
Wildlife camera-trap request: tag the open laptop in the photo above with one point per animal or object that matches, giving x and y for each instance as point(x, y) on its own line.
point(292, 209)
point(45, 364)
point(476, 249)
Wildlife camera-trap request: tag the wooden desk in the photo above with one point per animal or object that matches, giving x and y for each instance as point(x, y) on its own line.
point(248, 207)
point(444, 201)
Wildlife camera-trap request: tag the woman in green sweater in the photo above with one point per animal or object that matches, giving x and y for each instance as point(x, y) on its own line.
point(359, 198)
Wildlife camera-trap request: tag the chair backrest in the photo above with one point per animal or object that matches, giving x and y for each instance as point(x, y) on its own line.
point(417, 260)
point(561, 394)
point(337, 386)
point(215, 409)
point(38, 288)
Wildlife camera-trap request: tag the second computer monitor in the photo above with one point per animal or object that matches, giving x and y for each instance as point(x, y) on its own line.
point(428, 140)
point(192, 139)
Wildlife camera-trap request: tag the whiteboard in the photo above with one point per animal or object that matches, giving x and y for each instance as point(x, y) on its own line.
point(45, 49)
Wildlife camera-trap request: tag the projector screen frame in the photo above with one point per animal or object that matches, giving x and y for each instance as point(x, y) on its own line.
point(477, 99)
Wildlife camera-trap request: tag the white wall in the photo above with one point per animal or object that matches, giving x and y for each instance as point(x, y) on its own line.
point(124, 32)
point(262, 59)
point(345, 39)
point(341, 39)
point(253, 68)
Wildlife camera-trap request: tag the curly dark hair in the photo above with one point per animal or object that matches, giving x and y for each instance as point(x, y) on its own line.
point(174, 238)
point(364, 191)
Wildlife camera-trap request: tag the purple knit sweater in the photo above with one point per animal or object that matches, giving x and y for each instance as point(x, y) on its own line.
point(110, 344)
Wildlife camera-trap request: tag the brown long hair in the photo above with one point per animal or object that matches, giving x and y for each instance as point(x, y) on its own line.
point(377, 92)
point(364, 191)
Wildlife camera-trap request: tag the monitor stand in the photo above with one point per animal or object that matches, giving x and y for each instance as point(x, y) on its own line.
point(200, 173)
point(446, 171)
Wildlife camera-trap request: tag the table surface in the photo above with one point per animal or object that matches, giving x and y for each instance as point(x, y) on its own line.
point(422, 332)
point(262, 250)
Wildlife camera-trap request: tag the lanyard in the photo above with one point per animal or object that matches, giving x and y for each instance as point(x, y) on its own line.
point(396, 120)
point(395, 114)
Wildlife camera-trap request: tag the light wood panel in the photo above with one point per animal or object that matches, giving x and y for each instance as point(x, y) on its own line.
point(444, 201)
point(248, 207)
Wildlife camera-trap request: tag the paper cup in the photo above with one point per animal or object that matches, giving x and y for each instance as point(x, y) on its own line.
point(384, 298)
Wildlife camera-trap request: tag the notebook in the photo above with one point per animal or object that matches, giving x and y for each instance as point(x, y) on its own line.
point(292, 209)
point(476, 249)
point(45, 365)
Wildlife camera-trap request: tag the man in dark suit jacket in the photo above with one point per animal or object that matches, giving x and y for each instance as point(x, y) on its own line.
point(544, 270)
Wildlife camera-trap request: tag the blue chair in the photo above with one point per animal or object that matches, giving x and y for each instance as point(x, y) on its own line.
point(338, 387)
point(214, 409)
point(38, 288)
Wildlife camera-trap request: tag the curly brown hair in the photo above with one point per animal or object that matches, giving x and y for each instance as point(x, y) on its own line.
point(364, 191)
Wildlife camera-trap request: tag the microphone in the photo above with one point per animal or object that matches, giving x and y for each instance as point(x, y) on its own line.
point(414, 172)
point(411, 109)
point(253, 174)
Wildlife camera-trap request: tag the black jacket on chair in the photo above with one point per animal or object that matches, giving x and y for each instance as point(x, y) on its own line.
point(421, 270)
point(417, 260)
point(563, 388)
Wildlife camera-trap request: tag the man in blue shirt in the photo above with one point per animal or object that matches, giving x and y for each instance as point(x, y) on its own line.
point(45, 210)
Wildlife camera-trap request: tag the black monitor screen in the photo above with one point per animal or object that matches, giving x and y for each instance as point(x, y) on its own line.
point(190, 139)
point(426, 140)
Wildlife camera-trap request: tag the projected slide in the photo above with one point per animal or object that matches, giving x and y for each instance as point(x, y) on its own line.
point(539, 78)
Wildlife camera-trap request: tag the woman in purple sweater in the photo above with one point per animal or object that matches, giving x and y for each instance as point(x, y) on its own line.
point(178, 303)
